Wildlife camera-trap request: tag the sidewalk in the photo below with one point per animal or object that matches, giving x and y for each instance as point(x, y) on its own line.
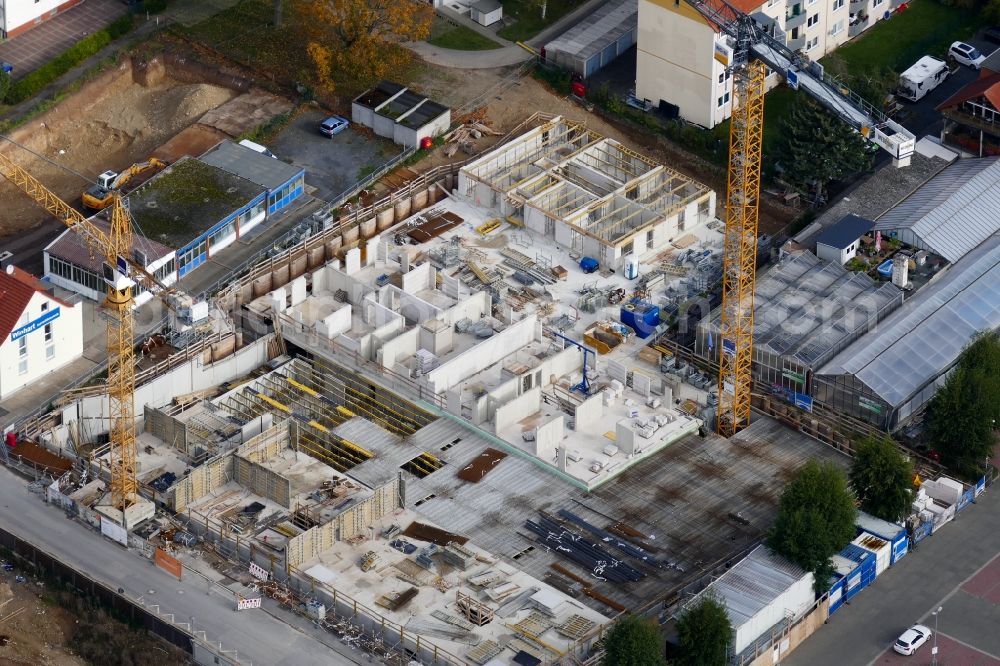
point(32, 49)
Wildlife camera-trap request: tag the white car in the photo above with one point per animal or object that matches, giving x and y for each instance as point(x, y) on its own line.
point(966, 54)
point(911, 639)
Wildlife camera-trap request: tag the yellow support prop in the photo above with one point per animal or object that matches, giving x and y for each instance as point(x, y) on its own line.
point(302, 387)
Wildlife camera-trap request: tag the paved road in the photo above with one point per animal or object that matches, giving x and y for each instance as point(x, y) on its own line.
point(929, 577)
point(255, 635)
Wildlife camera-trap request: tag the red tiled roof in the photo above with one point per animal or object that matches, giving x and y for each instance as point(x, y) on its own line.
point(16, 290)
point(987, 85)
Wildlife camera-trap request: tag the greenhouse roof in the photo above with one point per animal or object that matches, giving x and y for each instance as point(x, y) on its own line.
point(953, 212)
point(920, 341)
point(809, 309)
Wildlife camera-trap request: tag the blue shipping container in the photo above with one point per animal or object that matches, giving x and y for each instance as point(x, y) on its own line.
point(883, 529)
point(641, 317)
point(855, 570)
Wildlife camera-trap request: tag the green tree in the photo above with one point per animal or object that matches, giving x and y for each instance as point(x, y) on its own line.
point(633, 641)
point(882, 478)
point(816, 518)
point(963, 415)
point(704, 632)
point(817, 148)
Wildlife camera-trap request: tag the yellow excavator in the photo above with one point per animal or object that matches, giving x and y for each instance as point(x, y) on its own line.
point(100, 196)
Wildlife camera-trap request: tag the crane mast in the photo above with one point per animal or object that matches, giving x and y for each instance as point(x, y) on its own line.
point(115, 247)
point(740, 247)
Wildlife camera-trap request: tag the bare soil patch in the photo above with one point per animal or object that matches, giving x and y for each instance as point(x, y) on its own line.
point(110, 123)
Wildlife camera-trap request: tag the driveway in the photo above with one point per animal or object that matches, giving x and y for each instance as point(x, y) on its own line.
point(32, 49)
point(335, 164)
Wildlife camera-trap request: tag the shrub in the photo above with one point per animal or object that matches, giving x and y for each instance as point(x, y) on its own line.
point(33, 83)
point(154, 6)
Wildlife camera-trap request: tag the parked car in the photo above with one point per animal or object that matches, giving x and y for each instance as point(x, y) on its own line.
point(966, 54)
point(334, 125)
point(992, 34)
point(911, 639)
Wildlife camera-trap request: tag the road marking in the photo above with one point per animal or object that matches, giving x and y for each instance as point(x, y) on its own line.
point(941, 603)
point(971, 647)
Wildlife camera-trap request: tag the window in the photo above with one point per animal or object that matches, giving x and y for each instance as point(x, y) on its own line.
point(837, 4)
point(812, 43)
point(680, 220)
point(50, 347)
point(812, 20)
point(649, 239)
point(838, 27)
point(45, 307)
point(22, 355)
point(724, 100)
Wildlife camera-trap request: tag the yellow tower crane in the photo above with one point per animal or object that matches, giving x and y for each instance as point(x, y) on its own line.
point(119, 269)
point(748, 49)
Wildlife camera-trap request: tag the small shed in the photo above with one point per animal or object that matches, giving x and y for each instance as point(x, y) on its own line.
point(596, 40)
point(398, 113)
point(486, 12)
point(840, 242)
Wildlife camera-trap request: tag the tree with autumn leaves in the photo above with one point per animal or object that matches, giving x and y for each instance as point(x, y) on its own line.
point(362, 39)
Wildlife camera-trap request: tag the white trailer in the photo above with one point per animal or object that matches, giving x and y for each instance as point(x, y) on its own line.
point(924, 76)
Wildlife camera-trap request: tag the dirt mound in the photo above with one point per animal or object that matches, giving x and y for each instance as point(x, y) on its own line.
point(110, 123)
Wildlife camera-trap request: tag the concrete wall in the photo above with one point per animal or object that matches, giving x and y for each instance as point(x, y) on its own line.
point(420, 277)
point(588, 412)
point(165, 427)
point(519, 408)
point(195, 375)
point(335, 323)
point(398, 348)
point(483, 355)
point(548, 436)
point(352, 522)
point(473, 307)
point(263, 481)
point(410, 137)
point(202, 481)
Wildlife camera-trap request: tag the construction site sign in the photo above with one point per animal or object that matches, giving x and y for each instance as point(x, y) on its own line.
point(168, 563)
point(243, 603)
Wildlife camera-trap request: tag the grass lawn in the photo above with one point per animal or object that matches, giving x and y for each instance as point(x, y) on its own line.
point(925, 28)
point(527, 17)
point(450, 35)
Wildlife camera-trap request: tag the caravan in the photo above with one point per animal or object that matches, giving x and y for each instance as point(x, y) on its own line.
point(923, 77)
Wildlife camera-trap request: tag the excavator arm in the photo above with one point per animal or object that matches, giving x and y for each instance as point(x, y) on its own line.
point(97, 241)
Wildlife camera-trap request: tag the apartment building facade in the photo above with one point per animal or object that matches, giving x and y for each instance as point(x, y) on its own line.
point(682, 55)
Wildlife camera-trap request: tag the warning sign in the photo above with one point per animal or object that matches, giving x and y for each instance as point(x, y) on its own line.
point(168, 563)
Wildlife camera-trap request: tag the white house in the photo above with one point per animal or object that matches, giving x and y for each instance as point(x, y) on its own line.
point(682, 56)
point(840, 242)
point(39, 333)
point(17, 16)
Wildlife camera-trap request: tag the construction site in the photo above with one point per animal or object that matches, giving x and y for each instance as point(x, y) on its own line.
point(444, 422)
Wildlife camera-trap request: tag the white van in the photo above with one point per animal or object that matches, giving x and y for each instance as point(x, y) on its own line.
point(257, 148)
point(924, 76)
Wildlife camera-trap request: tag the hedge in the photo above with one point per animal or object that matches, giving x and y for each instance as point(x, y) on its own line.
point(33, 83)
